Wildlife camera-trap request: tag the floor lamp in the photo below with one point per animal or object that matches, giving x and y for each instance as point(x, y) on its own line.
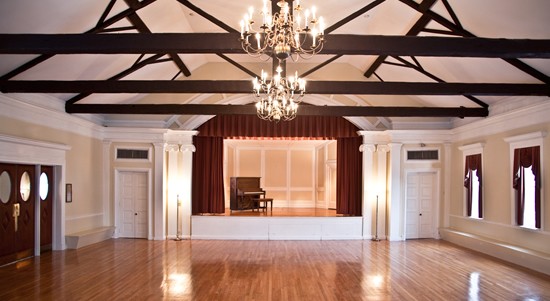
point(375, 238)
point(178, 222)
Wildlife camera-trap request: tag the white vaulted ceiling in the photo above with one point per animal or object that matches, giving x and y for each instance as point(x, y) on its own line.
point(529, 19)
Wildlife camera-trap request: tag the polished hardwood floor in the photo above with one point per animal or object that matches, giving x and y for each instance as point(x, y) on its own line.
point(128, 269)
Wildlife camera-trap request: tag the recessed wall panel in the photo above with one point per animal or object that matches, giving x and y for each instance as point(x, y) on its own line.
point(301, 174)
point(331, 148)
point(320, 167)
point(249, 163)
point(275, 168)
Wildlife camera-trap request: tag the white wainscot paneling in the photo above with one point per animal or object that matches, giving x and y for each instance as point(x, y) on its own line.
point(276, 228)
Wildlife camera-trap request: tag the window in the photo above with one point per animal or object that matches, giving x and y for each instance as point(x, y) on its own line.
point(526, 176)
point(526, 183)
point(473, 188)
point(472, 183)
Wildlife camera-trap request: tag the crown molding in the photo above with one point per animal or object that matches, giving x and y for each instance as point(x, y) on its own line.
point(46, 111)
point(523, 117)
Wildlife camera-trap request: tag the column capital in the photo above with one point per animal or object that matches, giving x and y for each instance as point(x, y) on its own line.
point(170, 147)
point(187, 148)
point(367, 147)
point(382, 148)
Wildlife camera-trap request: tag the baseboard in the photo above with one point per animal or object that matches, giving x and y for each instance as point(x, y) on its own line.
point(84, 238)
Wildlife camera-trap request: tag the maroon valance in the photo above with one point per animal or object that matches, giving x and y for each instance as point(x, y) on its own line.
point(306, 127)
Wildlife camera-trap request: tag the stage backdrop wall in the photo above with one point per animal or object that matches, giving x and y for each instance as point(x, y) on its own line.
point(293, 172)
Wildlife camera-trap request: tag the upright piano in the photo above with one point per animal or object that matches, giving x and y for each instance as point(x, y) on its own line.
point(243, 192)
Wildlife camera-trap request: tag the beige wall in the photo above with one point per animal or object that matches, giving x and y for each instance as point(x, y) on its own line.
point(498, 222)
point(83, 170)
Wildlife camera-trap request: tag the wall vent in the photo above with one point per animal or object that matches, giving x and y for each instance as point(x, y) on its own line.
point(423, 155)
point(139, 154)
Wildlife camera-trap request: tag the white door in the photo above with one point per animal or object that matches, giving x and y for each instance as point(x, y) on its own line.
point(133, 204)
point(420, 204)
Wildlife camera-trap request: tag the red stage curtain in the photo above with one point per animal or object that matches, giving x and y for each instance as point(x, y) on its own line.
point(523, 158)
point(208, 158)
point(349, 176)
point(207, 180)
point(473, 162)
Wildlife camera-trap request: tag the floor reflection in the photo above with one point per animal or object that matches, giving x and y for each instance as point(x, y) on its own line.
point(473, 291)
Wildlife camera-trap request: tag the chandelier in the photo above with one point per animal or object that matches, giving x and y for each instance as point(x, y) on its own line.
point(279, 97)
point(283, 33)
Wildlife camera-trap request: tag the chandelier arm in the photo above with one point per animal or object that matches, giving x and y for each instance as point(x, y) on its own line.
point(281, 36)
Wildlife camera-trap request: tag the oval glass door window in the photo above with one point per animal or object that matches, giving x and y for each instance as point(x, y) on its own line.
point(5, 187)
point(25, 186)
point(44, 186)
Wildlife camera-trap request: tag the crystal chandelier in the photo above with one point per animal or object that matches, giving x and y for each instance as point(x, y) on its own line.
point(279, 97)
point(283, 33)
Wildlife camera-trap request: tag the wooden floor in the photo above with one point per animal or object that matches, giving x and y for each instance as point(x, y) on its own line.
point(282, 211)
point(127, 269)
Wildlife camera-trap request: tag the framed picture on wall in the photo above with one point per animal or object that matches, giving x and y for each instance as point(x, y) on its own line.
point(69, 193)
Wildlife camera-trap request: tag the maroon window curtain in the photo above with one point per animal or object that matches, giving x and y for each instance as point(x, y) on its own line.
point(524, 158)
point(473, 164)
point(207, 178)
point(349, 174)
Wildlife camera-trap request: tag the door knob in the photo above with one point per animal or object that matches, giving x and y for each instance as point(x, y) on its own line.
point(16, 213)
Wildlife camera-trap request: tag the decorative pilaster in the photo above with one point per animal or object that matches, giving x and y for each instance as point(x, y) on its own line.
point(108, 215)
point(395, 230)
point(159, 206)
point(447, 189)
point(172, 191)
point(381, 192)
point(179, 149)
point(368, 188)
point(186, 172)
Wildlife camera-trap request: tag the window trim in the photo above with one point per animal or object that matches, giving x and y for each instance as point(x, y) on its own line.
point(523, 141)
point(467, 150)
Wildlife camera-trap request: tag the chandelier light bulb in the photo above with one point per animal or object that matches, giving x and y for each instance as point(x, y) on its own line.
point(281, 33)
point(278, 98)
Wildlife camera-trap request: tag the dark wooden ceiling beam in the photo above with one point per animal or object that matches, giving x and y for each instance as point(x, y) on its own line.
point(100, 27)
point(463, 32)
point(142, 28)
point(353, 16)
point(240, 86)
point(414, 31)
point(140, 63)
point(196, 109)
point(207, 16)
point(344, 44)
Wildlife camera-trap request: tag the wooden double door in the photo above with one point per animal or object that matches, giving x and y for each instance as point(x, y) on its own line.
point(19, 208)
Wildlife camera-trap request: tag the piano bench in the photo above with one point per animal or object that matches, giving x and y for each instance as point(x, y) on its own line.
point(259, 201)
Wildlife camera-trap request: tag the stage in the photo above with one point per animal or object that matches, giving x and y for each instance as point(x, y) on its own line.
point(279, 224)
